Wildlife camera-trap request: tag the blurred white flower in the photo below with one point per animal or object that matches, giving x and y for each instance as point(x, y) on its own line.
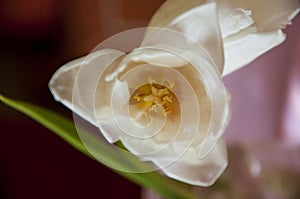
point(165, 100)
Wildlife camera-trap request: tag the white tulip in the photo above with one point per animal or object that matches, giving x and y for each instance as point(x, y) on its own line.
point(165, 100)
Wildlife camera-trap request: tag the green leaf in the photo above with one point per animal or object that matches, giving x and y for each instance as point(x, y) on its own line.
point(66, 129)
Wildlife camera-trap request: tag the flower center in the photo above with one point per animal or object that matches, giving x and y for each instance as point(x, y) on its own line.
point(155, 97)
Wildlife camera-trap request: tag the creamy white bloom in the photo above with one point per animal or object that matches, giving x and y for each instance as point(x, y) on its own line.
point(165, 100)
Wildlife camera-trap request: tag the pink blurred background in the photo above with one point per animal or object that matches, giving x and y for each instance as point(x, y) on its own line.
point(265, 94)
point(38, 36)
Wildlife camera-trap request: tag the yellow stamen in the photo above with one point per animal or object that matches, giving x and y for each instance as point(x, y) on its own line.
point(154, 97)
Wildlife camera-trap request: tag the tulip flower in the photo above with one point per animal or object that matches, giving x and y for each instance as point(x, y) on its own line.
point(165, 99)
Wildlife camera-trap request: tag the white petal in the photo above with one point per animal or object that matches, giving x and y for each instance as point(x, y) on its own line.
point(234, 20)
point(107, 124)
point(251, 28)
point(246, 46)
point(202, 172)
point(157, 57)
point(196, 20)
point(268, 15)
point(62, 82)
point(84, 74)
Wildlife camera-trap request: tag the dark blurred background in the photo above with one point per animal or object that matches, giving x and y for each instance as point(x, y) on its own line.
point(36, 38)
